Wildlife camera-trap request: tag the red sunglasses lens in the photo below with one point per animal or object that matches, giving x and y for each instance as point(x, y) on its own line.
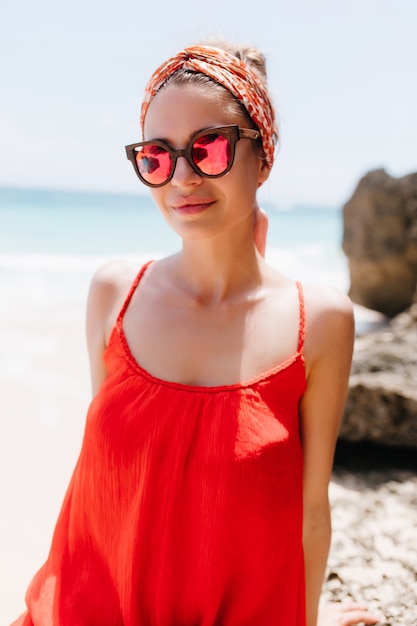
point(211, 153)
point(154, 164)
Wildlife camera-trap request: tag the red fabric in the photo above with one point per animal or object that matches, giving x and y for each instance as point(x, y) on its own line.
point(185, 507)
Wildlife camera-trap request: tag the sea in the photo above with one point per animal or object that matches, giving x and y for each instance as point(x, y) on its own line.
point(51, 242)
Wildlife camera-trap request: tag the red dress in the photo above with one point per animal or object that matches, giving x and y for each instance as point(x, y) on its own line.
point(185, 506)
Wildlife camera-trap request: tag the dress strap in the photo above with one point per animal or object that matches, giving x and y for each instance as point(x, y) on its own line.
point(132, 291)
point(302, 323)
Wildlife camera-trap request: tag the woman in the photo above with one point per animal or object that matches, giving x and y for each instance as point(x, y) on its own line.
point(200, 495)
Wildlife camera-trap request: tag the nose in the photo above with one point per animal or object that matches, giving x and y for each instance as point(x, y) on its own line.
point(184, 174)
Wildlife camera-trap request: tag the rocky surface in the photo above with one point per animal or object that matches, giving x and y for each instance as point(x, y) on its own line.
point(373, 555)
point(382, 400)
point(380, 241)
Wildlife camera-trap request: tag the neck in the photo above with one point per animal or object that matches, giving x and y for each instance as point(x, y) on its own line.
point(219, 268)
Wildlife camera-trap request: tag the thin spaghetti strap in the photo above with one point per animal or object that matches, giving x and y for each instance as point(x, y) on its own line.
point(302, 323)
point(132, 291)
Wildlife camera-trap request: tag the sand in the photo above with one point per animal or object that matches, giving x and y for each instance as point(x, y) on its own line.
point(373, 557)
point(44, 394)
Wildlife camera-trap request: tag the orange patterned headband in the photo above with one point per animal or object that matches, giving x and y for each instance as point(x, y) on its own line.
point(230, 72)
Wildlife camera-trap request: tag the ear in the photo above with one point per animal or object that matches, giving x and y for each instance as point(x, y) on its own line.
point(263, 172)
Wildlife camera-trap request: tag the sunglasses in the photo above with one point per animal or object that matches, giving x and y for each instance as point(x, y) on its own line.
point(210, 153)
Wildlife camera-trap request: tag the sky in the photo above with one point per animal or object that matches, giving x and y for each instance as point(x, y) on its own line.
point(343, 76)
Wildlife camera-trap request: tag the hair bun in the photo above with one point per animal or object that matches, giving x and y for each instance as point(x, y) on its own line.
point(249, 54)
point(254, 58)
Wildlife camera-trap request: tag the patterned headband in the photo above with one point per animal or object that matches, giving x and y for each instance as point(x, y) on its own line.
point(230, 72)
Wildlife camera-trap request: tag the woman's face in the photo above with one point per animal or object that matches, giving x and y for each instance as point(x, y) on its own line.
point(195, 206)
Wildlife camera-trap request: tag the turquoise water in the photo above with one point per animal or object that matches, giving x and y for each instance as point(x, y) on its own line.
point(55, 222)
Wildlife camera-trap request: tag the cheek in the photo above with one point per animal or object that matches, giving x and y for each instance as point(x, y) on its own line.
point(249, 169)
point(158, 196)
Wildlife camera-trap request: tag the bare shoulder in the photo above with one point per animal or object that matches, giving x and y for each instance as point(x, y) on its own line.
point(329, 321)
point(108, 289)
point(324, 300)
point(109, 275)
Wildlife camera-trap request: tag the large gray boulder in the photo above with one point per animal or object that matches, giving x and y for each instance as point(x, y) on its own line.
point(381, 405)
point(380, 241)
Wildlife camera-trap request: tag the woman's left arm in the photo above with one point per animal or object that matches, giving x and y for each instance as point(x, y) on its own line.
point(328, 355)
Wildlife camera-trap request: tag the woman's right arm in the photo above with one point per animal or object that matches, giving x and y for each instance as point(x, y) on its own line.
point(107, 292)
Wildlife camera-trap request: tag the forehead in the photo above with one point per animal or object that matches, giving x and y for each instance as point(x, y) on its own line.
point(178, 111)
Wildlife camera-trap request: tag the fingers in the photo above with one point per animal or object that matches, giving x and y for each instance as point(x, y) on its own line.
point(346, 614)
point(359, 612)
point(357, 617)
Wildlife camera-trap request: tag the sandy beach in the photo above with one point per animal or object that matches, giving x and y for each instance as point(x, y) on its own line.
point(44, 394)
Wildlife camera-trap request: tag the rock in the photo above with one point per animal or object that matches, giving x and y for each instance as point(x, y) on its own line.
point(381, 406)
point(380, 241)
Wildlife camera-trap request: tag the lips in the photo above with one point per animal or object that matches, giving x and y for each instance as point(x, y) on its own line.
point(192, 205)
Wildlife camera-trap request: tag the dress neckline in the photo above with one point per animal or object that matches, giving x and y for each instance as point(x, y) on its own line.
point(118, 331)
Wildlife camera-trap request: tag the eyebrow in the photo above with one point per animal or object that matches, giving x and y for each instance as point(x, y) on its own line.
point(196, 132)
